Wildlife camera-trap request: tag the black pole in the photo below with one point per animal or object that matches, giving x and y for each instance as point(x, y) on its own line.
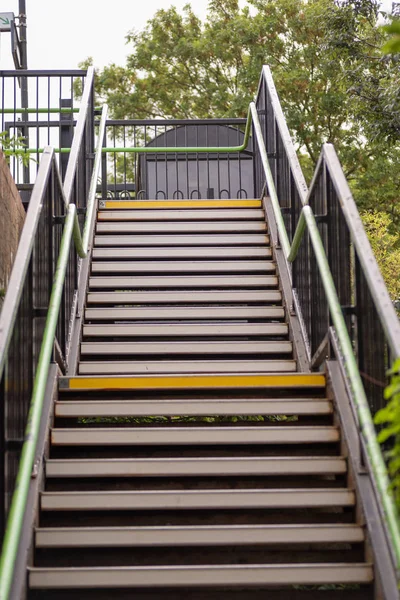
point(24, 80)
point(22, 34)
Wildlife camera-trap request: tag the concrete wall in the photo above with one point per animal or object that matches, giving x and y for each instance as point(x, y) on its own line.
point(12, 217)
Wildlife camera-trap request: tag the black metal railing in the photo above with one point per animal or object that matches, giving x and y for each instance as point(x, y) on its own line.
point(40, 107)
point(127, 175)
point(370, 318)
point(288, 177)
point(26, 303)
point(23, 317)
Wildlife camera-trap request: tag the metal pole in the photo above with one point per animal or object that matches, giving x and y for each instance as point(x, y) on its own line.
point(22, 39)
point(24, 80)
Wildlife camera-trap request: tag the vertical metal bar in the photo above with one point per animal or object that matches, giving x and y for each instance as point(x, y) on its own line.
point(166, 170)
point(176, 164)
point(136, 166)
point(218, 165)
point(186, 164)
point(66, 133)
point(239, 163)
point(198, 162)
point(207, 163)
point(124, 156)
point(156, 160)
point(24, 79)
point(104, 168)
point(114, 165)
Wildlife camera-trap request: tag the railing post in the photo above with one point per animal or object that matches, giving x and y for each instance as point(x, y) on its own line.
point(66, 133)
point(104, 169)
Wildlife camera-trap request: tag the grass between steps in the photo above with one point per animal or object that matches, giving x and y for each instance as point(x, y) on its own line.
point(189, 419)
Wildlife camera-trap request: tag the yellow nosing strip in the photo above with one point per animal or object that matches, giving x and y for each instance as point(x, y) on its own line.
point(193, 381)
point(182, 204)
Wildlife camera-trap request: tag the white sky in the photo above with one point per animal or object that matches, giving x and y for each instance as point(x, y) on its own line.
point(62, 33)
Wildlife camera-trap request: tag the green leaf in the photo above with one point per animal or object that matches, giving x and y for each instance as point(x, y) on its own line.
point(393, 27)
point(392, 46)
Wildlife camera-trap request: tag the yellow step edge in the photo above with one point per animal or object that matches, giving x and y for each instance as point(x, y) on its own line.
point(305, 380)
point(179, 204)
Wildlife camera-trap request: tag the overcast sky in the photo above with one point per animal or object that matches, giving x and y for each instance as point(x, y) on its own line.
point(62, 33)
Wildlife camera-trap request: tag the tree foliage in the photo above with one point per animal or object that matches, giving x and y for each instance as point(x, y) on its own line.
point(386, 247)
point(389, 416)
point(334, 82)
point(392, 46)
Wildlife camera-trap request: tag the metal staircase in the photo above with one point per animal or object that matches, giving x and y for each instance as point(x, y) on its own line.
point(176, 459)
point(200, 418)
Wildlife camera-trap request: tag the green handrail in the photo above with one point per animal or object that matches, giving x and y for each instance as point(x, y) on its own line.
point(308, 223)
point(163, 149)
point(18, 503)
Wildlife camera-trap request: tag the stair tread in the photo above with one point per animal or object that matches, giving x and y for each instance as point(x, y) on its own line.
point(183, 281)
point(213, 214)
point(187, 348)
point(193, 366)
point(55, 537)
point(190, 252)
point(188, 266)
point(194, 466)
point(260, 434)
point(200, 575)
point(184, 381)
point(181, 227)
point(198, 312)
point(189, 239)
point(185, 329)
point(184, 297)
point(197, 499)
point(190, 407)
point(179, 204)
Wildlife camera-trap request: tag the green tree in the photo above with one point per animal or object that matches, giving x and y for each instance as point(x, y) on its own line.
point(386, 247)
point(334, 82)
point(389, 416)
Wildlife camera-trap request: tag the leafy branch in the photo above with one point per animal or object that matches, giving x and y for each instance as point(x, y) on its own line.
point(390, 416)
point(392, 46)
point(14, 146)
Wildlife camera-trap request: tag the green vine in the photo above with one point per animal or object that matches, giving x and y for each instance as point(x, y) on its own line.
point(390, 417)
point(14, 146)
